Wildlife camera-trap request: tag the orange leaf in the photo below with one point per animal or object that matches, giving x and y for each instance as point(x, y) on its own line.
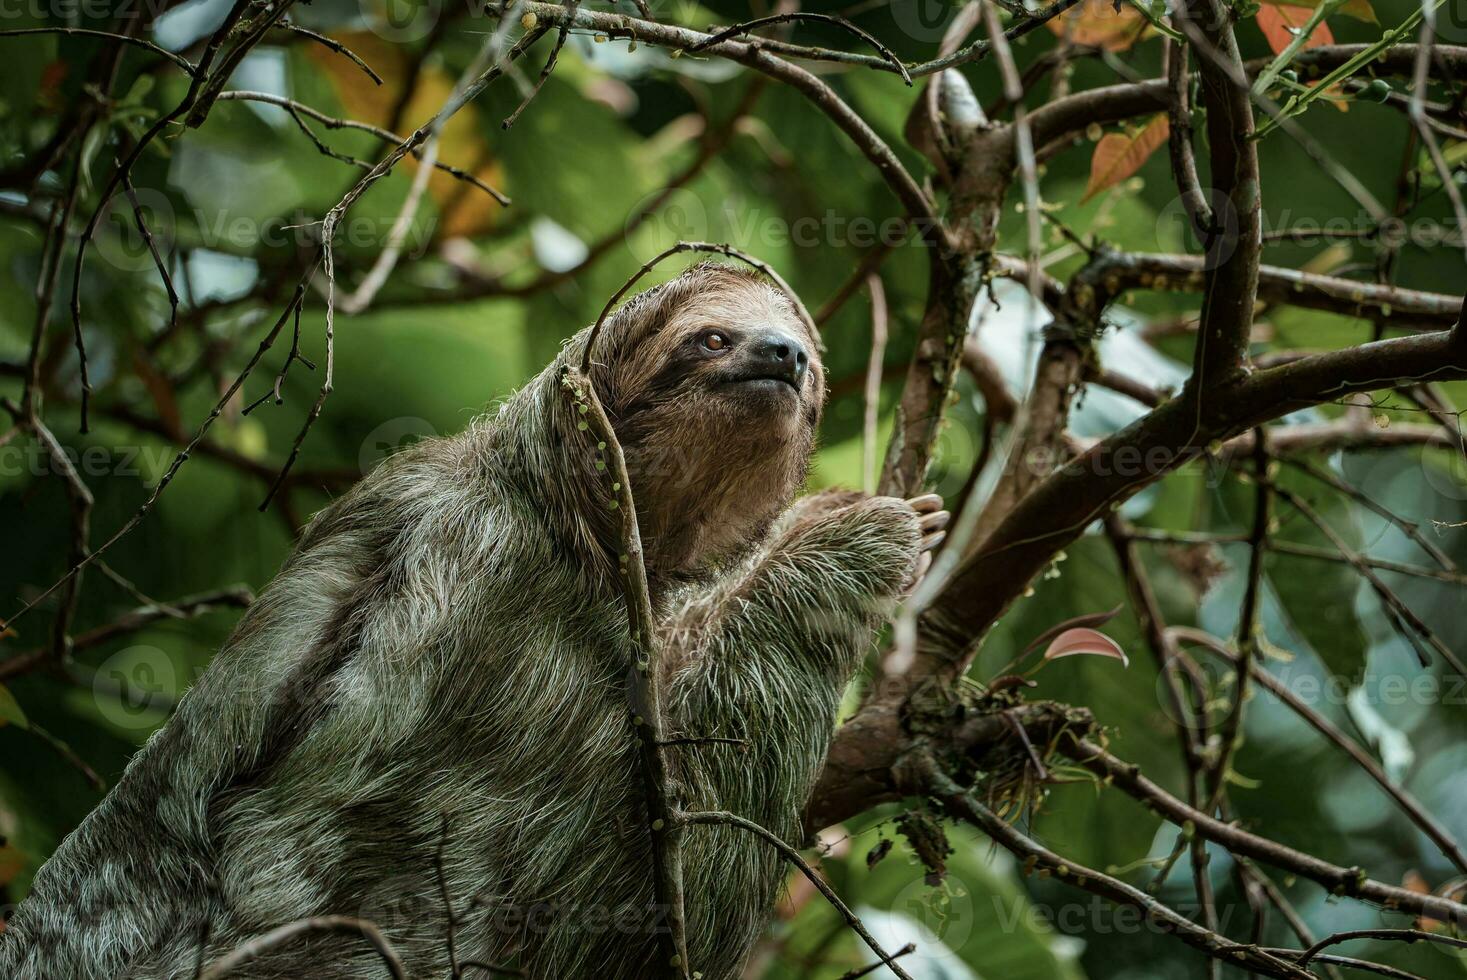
point(1072, 643)
point(1281, 23)
point(1118, 156)
point(1359, 9)
point(1099, 24)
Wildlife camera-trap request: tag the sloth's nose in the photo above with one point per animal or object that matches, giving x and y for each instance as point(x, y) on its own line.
point(784, 356)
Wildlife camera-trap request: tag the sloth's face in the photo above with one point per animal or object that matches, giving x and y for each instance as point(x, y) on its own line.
point(718, 392)
point(729, 348)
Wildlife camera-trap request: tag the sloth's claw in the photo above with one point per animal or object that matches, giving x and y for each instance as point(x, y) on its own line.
point(935, 522)
point(926, 503)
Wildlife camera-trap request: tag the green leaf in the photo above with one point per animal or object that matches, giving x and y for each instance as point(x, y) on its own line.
point(10, 712)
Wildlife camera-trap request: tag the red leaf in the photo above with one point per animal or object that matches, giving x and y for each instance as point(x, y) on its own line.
point(1074, 642)
point(1091, 620)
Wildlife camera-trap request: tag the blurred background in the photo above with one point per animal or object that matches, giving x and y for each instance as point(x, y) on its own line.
point(482, 297)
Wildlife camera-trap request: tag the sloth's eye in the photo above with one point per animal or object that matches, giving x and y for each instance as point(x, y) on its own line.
point(714, 340)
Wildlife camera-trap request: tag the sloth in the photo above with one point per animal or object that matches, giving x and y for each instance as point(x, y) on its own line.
point(422, 721)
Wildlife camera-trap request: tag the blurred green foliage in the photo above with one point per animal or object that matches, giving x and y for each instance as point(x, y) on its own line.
point(232, 201)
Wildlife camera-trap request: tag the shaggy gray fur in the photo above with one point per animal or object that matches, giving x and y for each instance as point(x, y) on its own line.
point(447, 647)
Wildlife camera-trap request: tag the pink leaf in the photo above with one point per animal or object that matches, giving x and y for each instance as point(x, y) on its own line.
point(1086, 641)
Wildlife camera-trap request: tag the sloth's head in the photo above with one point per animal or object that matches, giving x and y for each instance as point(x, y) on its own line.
point(715, 387)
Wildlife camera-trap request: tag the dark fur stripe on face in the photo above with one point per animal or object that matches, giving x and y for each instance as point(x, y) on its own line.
point(634, 359)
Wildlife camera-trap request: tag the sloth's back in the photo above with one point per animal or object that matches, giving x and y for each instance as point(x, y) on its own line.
point(425, 665)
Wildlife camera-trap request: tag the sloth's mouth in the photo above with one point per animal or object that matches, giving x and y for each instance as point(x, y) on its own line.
point(766, 382)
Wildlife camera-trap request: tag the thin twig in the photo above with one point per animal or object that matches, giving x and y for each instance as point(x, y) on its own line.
point(962, 805)
point(333, 44)
point(715, 248)
point(297, 109)
point(721, 818)
point(1402, 616)
point(873, 381)
point(1409, 805)
point(550, 63)
point(291, 931)
point(146, 45)
point(644, 687)
point(1399, 935)
point(748, 26)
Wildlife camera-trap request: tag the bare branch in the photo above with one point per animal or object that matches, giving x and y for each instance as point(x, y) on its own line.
point(963, 806)
point(1351, 882)
point(332, 44)
point(749, 26)
point(1409, 805)
point(178, 59)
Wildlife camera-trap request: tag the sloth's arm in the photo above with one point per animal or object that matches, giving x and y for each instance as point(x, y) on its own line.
point(809, 603)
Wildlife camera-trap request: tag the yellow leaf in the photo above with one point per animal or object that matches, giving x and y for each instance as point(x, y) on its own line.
point(463, 210)
point(1118, 156)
